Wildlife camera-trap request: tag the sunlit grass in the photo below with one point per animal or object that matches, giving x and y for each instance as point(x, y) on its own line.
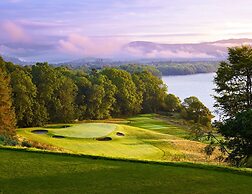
point(29, 172)
point(144, 137)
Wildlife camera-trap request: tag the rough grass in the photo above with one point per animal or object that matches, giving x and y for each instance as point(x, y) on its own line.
point(28, 172)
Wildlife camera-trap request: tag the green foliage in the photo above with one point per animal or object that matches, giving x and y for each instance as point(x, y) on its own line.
point(172, 103)
point(101, 97)
point(56, 92)
point(24, 96)
point(127, 100)
point(209, 149)
point(8, 140)
point(43, 93)
point(134, 68)
point(26, 143)
point(185, 68)
point(238, 132)
point(196, 111)
point(64, 98)
point(84, 87)
point(152, 90)
point(234, 82)
point(234, 99)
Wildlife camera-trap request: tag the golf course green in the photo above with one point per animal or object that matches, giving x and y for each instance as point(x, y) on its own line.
point(147, 137)
point(85, 130)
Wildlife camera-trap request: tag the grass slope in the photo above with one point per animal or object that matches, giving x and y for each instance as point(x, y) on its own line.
point(146, 137)
point(30, 172)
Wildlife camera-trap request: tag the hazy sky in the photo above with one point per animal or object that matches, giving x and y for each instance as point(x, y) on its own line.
point(53, 29)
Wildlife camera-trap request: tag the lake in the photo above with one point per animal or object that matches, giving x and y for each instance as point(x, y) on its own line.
point(199, 85)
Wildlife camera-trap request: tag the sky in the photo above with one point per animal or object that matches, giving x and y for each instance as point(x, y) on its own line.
point(54, 30)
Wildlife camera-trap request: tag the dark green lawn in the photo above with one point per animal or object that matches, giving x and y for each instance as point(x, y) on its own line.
point(30, 172)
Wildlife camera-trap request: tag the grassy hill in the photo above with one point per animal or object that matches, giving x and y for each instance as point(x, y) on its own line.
point(148, 137)
point(31, 172)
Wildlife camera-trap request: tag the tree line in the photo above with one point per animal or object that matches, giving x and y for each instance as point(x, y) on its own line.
point(40, 94)
point(187, 68)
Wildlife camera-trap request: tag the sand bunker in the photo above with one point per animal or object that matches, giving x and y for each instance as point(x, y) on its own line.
point(58, 136)
point(119, 134)
point(104, 139)
point(40, 131)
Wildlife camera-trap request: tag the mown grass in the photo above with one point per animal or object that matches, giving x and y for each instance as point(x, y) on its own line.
point(155, 123)
point(28, 172)
point(145, 137)
point(85, 130)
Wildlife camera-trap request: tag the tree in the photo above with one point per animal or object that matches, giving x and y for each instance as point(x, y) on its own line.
point(100, 97)
point(196, 111)
point(64, 101)
point(238, 131)
point(233, 82)
point(45, 79)
point(127, 99)
point(24, 95)
point(152, 90)
point(172, 103)
point(83, 86)
point(234, 99)
point(7, 115)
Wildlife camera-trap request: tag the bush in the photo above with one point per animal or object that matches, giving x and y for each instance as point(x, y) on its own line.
point(26, 144)
point(5, 140)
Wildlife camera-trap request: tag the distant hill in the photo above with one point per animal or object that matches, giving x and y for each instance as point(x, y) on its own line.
point(197, 51)
point(143, 52)
point(15, 60)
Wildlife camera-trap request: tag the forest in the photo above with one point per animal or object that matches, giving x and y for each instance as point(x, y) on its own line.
point(42, 93)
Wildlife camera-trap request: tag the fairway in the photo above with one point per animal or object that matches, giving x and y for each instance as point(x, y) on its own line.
point(144, 137)
point(85, 130)
point(32, 173)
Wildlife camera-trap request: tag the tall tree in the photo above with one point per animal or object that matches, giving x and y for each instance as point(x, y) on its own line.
point(7, 115)
point(234, 99)
point(24, 95)
point(234, 82)
point(127, 101)
point(152, 89)
point(46, 78)
point(101, 97)
point(64, 101)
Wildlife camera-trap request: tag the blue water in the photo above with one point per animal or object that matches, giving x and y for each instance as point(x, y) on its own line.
point(199, 85)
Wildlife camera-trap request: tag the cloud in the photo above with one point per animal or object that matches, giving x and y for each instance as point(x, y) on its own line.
point(82, 46)
point(14, 32)
point(136, 52)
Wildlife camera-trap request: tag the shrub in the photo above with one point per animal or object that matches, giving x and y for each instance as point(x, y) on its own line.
point(26, 143)
point(5, 140)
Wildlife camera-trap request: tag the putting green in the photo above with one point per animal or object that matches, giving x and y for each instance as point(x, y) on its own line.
point(85, 130)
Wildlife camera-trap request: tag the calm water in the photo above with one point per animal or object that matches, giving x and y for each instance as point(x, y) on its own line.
point(199, 85)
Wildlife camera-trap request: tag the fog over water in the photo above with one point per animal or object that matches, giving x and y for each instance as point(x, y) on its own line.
point(199, 85)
